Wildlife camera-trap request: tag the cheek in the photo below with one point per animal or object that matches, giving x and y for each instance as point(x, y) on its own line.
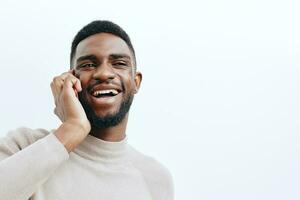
point(130, 85)
point(84, 79)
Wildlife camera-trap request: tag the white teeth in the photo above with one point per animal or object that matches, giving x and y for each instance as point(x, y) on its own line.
point(99, 92)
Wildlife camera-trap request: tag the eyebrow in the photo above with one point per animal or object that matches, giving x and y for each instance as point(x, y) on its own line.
point(94, 58)
point(118, 56)
point(86, 57)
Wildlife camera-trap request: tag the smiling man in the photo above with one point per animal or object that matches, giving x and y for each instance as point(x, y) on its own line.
point(88, 156)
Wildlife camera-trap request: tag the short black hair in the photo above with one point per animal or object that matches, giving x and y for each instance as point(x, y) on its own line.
point(100, 26)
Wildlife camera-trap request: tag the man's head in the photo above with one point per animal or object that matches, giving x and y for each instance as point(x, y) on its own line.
point(100, 26)
point(103, 58)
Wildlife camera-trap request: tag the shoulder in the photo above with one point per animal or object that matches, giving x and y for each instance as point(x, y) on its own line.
point(156, 175)
point(22, 137)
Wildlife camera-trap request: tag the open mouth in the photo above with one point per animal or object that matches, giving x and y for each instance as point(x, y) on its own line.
point(105, 93)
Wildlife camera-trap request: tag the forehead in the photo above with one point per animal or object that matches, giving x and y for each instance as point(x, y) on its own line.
point(102, 44)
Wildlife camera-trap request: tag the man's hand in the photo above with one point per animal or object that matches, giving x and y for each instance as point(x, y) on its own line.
point(68, 108)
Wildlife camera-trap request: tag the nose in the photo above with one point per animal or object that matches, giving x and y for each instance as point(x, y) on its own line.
point(104, 73)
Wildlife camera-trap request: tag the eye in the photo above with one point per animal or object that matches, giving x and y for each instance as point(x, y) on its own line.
point(120, 63)
point(87, 65)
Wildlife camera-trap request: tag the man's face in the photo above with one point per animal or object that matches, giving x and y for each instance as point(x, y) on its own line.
point(105, 66)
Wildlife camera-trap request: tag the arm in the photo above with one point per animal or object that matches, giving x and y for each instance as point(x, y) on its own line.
point(22, 172)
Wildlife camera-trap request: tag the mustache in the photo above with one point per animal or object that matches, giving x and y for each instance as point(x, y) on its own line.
point(98, 82)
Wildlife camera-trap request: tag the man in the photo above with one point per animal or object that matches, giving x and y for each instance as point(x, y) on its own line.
point(87, 157)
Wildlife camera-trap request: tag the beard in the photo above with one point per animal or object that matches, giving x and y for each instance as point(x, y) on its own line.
point(109, 120)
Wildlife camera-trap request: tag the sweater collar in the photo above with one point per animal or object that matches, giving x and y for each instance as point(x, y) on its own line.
point(93, 148)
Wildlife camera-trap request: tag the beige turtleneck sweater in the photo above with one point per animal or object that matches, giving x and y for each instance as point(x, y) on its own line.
point(35, 165)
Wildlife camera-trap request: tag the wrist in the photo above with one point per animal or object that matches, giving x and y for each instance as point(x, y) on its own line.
point(80, 126)
point(71, 134)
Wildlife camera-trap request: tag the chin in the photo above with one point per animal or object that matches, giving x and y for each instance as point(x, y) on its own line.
point(106, 112)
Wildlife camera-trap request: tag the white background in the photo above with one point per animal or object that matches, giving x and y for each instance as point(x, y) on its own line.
point(219, 102)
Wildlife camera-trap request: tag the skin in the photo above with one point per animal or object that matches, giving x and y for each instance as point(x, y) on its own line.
point(101, 61)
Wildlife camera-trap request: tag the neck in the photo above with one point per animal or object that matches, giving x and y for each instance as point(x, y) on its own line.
point(111, 134)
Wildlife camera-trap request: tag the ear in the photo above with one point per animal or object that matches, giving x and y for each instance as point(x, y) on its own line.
point(137, 80)
point(74, 72)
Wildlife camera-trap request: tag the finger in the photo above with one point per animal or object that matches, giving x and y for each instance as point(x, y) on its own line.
point(72, 71)
point(78, 83)
point(62, 77)
point(65, 74)
point(56, 87)
point(54, 92)
point(58, 81)
point(75, 82)
point(71, 83)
